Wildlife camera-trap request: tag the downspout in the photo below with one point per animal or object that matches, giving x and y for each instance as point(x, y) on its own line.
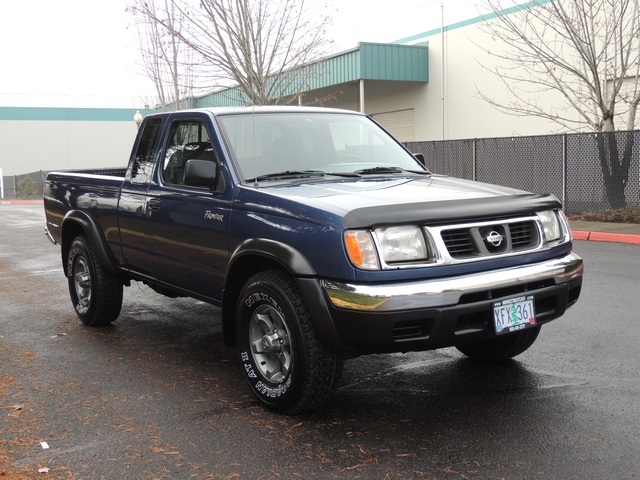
point(362, 95)
point(442, 66)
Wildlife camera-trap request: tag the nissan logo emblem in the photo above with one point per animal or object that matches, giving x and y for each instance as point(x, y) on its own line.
point(494, 238)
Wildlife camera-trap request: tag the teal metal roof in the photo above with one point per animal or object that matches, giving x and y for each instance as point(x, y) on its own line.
point(368, 61)
point(68, 114)
point(376, 61)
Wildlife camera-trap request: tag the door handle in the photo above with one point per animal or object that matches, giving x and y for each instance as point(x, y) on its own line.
point(153, 203)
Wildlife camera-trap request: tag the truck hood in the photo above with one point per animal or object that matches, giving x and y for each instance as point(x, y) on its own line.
point(367, 192)
point(407, 199)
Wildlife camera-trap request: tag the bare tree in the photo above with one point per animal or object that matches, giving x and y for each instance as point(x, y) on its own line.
point(164, 55)
point(268, 48)
point(587, 51)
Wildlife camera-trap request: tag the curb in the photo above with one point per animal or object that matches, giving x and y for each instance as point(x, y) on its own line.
point(606, 237)
point(21, 202)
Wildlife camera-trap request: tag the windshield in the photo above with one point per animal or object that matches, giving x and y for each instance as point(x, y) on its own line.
point(266, 145)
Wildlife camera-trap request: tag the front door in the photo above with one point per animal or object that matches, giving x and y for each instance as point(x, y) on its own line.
point(186, 227)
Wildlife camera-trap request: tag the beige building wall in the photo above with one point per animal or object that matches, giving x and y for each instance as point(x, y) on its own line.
point(449, 106)
point(462, 111)
point(32, 145)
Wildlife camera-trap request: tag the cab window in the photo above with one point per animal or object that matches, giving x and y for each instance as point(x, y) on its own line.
point(188, 139)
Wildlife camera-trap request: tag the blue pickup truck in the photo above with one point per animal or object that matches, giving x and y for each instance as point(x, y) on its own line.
point(319, 236)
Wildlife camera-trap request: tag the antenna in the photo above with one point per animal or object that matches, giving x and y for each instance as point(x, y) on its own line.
point(255, 153)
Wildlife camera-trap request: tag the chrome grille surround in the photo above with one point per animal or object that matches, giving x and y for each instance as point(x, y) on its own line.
point(476, 241)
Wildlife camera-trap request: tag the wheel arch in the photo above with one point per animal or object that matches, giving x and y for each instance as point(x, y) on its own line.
point(250, 257)
point(77, 223)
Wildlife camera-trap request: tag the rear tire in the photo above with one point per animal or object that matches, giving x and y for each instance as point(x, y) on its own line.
point(502, 347)
point(283, 359)
point(96, 294)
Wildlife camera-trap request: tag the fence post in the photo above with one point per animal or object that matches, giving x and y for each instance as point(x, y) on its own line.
point(474, 160)
point(564, 171)
point(43, 178)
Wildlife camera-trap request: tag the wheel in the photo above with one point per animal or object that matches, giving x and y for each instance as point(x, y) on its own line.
point(96, 295)
point(501, 348)
point(287, 366)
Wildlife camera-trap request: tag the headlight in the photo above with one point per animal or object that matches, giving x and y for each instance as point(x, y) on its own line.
point(551, 225)
point(401, 244)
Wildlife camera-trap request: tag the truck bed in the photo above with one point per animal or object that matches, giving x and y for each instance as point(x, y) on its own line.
point(95, 190)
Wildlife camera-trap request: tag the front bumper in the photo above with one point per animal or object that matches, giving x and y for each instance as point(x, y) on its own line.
point(436, 313)
point(444, 292)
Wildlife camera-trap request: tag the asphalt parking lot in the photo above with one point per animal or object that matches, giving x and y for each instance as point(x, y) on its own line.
point(159, 396)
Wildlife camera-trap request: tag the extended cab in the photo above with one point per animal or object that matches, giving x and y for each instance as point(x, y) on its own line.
point(319, 236)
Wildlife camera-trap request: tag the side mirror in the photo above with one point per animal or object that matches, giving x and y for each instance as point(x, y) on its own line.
point(201, 173)
point(420, 158)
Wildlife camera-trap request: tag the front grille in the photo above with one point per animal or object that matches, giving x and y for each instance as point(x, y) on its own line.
point(522, 235)
point(458, 242)
point(490, 239)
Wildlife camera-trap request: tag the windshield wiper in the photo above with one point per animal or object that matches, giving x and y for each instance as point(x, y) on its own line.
point(287, 174)
point(344, 174)
point(367, 171)
point(374, 170)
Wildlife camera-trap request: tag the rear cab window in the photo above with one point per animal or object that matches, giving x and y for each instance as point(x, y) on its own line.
point(141, 168)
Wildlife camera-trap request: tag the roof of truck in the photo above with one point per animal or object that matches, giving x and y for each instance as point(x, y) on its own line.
point(265, 109)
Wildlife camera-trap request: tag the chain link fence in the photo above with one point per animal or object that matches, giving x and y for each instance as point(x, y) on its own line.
point(587, 172)
point(29, 185)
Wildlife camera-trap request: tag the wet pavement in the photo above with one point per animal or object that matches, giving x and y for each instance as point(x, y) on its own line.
point(159, 396)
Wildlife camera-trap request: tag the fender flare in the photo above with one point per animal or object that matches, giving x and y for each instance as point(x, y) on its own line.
point(278, 252)
point(303, 273)
point(92, 230)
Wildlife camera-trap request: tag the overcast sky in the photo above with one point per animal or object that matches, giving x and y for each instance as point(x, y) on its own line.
point(83, 53)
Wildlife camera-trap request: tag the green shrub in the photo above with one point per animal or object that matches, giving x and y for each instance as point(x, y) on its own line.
point(26, 188)
point(621, 215)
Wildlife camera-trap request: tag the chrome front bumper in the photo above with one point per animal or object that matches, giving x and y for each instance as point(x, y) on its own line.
point(448, 291)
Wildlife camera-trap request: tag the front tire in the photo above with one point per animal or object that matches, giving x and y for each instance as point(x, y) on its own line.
point(283, 359)
point(501, 348)
point(96, 294)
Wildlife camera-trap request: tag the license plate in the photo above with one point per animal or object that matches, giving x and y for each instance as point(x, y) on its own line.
point(514, 314)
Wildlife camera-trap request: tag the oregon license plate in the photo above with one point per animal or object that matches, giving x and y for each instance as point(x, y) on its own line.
point(514, 314)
